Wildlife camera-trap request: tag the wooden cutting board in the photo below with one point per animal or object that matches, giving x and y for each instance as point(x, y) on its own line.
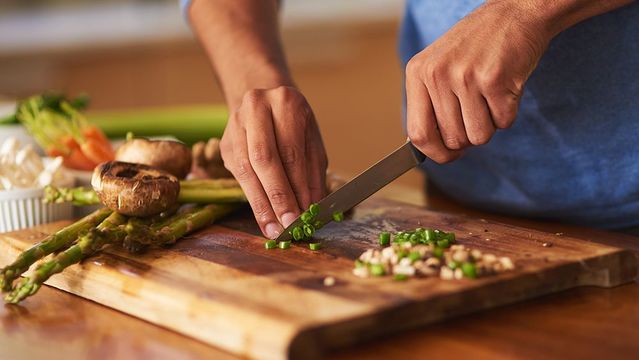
point(221, 286)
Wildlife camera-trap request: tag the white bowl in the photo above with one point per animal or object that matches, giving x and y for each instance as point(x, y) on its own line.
point(23, 208)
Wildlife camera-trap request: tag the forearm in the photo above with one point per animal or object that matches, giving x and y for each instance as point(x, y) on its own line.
point(555, 16)
point(241, 38)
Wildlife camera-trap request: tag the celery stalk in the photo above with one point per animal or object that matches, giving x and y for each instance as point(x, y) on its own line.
point(189, 124)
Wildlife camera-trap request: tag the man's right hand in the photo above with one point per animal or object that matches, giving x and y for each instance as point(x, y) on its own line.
point(273, 147)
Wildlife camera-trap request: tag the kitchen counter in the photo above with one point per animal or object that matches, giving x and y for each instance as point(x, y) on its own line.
point(581, 323)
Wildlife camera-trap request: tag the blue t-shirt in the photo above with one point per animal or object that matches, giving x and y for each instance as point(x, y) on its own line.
point(573, 153)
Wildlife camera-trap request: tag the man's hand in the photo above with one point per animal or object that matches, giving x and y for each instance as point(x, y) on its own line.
point(468, 83)
point(273, 147)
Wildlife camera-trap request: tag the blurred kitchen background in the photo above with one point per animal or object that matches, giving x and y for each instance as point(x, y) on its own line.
point(141, 53)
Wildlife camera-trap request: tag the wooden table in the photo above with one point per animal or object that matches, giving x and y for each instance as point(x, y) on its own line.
point(582, 323)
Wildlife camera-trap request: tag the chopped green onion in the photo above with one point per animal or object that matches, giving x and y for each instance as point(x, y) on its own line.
point(400, 277)
point(270, 244)
point(285, 245)
point(338, 216)
point(377, 270)
point(469, 270)
point(414, 256)
point(306, 217)
point(315, 246)
point(443, 243)
point(309, 230)
point(314, 209)
point(438, 252)
point(359, 263)
point(318, 225)
point(429, 235)
point(453, 265)
point(298, 233)
point(384, 238)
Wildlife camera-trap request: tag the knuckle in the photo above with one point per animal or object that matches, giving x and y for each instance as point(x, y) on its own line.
point(241, 169)
point(261, 210)
point(253, 97)
point(261, 154)
point(290, 155)
point(278, 197)
point(504, 116)
point(412, 67)
point(480, 137)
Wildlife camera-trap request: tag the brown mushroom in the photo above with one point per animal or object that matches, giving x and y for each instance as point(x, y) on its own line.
point(167, 155)
point(135, 189)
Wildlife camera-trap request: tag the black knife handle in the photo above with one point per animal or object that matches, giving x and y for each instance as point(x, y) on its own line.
point(419, 156)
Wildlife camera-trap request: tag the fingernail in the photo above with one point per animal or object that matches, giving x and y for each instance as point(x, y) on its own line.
point(272, 230)
point(288, 218)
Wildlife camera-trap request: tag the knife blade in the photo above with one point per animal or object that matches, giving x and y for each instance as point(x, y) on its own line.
point(363, 185)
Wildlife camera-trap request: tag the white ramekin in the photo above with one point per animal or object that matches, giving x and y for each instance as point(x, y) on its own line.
point(23, 208)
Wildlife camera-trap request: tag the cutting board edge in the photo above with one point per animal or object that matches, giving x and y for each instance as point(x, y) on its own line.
point(310, 341)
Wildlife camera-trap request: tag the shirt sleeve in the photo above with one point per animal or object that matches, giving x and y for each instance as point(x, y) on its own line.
point(184, 5)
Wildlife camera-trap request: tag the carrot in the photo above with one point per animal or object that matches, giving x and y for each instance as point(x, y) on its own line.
point(69, 142)
point(94, 132)
point(96, 151)
point(77, 160)
point(55, 152)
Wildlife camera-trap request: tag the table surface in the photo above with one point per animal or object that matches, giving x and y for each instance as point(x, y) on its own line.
point(580, 323)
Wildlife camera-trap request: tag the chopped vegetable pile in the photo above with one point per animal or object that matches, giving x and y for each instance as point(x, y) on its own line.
point(427, 252)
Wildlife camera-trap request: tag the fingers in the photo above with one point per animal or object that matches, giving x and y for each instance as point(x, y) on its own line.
point(317, 162)
point(265, 160)
point(449, 118)
point(422, 123)
point(478, 123)
point(290, 131)
point(234, 151)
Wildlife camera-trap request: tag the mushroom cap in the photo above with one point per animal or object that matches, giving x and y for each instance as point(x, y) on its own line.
point(167, 155)
point(135, 189)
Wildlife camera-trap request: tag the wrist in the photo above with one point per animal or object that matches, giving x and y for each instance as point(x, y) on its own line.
point(266, 76)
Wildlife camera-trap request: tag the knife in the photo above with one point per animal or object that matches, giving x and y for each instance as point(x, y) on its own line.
point(363, 185)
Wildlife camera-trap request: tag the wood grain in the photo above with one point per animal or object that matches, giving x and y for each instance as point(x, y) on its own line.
point(221, 286)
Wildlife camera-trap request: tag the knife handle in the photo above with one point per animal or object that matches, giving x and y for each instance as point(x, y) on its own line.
point(419, 156)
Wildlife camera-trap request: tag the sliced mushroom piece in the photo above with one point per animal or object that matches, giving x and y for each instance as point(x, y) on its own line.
point(135, 189)
point(167, 155)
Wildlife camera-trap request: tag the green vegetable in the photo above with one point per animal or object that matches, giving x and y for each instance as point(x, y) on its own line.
point(438, 252)
point(306, 217)
point(314, 209)
point(297, 233)
point(270, 244)
point(359, 263)
point(187, 123)
point(338, 216)
point(51, 244)
point(469, 270)
point(384, 238)
point(443, 243)
point(285, 245)
point(400, 277)
point(309, 230)
point(377, 270)
point(315, 246)
point(414, 256)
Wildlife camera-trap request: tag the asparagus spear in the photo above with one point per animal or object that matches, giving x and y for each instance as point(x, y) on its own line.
point(52, 243)
point(169, 231)
point(107, 232)
point(191, 191)
point(79, 196)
